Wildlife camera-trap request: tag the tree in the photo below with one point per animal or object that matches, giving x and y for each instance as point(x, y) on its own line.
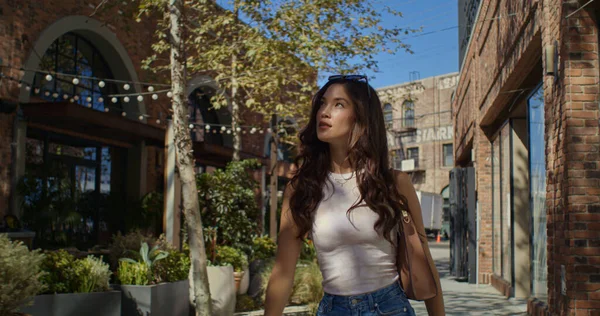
point(185, 163)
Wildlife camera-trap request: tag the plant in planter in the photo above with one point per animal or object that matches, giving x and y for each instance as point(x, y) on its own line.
point(19, 275)
point(225, 256)
point(158, 279)
point(75, 286)
point(127, 246)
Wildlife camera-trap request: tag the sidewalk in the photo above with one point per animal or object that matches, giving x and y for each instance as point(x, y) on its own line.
point(462, 298)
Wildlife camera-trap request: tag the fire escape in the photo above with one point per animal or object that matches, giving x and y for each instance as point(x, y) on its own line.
point(406, 129)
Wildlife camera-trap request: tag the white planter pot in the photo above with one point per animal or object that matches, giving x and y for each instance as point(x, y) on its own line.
point(222, 290)
point(245, 283)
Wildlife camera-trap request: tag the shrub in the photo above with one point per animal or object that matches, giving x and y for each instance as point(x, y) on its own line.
point(308, 288)
point(19, 275)
point(226, 255)
point(263, 248)
point(308, 252)
point(65, 274)
point(128, 246)
point(244, 303)
point(59, 275)
point(91, 275)
point(133, 273)
point(175, 267)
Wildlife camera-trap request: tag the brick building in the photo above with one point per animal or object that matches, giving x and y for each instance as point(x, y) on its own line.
point(52, 128)
point(526, 117)
point(418, 114)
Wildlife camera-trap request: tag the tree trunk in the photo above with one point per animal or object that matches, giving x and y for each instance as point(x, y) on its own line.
point(185, 163)
point(273, 187)
point(235, 109)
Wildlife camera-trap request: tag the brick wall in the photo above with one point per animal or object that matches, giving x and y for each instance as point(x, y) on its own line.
point(432, 101)
point(500, 57)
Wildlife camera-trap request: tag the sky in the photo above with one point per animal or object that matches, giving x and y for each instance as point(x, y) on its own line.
point(435, 47)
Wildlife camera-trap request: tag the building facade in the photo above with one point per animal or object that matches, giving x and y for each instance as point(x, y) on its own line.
point(77, 114)
point(419, 122)
point(526, 118)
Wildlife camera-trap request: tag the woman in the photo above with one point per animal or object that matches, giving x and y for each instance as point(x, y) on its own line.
point(340, 197)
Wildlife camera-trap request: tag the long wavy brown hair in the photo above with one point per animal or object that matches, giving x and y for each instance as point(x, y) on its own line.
point(368, 156)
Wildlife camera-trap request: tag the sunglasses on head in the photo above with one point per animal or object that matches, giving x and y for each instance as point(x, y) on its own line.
point(353, 78)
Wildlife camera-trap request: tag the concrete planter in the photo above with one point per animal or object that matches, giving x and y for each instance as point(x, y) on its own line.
point(76, 304)
point(222, 290)
point(244, 282)
point(159, 299)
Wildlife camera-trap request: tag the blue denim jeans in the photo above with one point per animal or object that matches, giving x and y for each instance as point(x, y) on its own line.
point(389, 301)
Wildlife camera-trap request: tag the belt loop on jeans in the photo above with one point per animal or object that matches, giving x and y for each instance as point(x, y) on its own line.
point(371, 302)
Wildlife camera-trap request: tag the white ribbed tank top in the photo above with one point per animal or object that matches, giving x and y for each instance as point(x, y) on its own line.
point(353, 257)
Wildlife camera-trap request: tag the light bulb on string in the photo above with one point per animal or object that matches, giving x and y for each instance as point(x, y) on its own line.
point(71, 100)
point(157, 121)
point(76, 98)
point(207, 126)
point(268, 130)
point(88, 99)
point(228, 131)
point(141, 117)
point(65, 96)
point(244, 132)
point(140, 98)
point(100, 99)
point(48, 77)
point(36, 90)
point(114, 99)
point(126, 99)
point(47, 93)
point(19, 84)
point(126, 86)
point(169, 94)
point(123, 114)
point(150, 89)
point(101, 84)
point(223, 128)
point(239, 129)
point(28, 88)
point(106, 109)
point(191, 126)
point(89, 105)
point(253, 130)
point(260, 131)
point(155, 96)
point(75, 81)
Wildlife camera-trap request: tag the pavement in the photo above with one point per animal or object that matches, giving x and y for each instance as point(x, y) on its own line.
point(462, 298)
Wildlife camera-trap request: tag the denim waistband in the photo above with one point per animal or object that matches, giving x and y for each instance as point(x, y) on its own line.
point(366, 299)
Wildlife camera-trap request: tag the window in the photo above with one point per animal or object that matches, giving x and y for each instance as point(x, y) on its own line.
point(73, 54)
point(448, 155)
point(537, 187)
point(409, 114)
point(388, 115)
point(413, 153)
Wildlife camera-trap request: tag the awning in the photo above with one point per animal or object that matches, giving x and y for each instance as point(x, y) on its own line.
point(75, 120)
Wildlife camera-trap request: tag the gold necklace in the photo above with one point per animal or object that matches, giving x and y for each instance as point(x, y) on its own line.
point(346, 180)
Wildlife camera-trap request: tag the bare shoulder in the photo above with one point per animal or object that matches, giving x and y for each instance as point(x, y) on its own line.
point(402, 179)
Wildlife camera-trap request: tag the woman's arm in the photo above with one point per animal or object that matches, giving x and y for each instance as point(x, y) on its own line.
point(288, 250)
point(435, 306)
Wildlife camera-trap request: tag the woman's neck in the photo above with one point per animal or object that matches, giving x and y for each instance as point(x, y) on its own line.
point(339, 162)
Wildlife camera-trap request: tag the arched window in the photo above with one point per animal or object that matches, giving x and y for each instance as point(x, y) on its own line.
point(75, 55)
point(409, 114)
point(199, 107)
point(388, 115)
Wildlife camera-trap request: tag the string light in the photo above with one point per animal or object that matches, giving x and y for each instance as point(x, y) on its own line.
point(48, 77)
point(114, 100)
point(106, 109)
point(88, 99)
point(155, 96)
point(126, 99)
point(126, 86)
point(123, 114)
point(76, 97)
point(150, 89)
point(140, 98)
point(100, 99)
point(169, 94)
point(101, 84)
point(141, 117)
point(75, 81)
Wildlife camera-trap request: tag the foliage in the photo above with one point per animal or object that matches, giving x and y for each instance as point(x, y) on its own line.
point(230, 256)
point(148, 256)
point(228, 203)
point(127, 245)
point(175, 267)
point(263, 248)
point(244, 303)
point(308, 252)
point(65, 274)
point(133, 273)
point(308, 287)
point(91, 275)
point(59, 275)
point(19, 275)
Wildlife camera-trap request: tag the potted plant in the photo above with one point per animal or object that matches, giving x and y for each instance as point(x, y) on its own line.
point(75, 287)
point(156, 283)
point(229, 256)
point(19, 275)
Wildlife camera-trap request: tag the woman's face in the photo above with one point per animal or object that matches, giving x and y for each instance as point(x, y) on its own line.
point(335, 117)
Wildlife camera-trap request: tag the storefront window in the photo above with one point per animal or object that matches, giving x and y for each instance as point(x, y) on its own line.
point(537, 167)
point(448, 155)
point(496, 207)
